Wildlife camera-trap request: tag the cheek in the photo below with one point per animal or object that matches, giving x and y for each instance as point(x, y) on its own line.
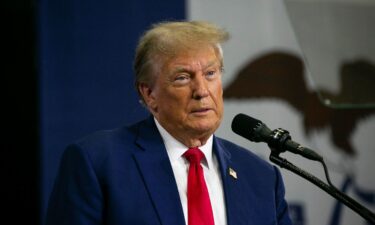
point(175, 99)
point(219, 101)
point(218, 94)
point(220, 106)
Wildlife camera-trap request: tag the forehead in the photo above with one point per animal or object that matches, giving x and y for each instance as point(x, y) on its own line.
point(199, 58)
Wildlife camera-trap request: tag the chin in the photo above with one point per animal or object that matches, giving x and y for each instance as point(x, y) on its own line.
point(205, 128)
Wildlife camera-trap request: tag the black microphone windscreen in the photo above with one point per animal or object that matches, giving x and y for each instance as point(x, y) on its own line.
point(245, 126)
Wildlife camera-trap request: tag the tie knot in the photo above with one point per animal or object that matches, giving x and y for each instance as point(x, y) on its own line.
point(194, 155)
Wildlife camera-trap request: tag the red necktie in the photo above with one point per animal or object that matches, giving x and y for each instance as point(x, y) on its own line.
point(199, 205)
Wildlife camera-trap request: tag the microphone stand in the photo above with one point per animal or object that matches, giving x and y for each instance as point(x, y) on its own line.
point(334, 192)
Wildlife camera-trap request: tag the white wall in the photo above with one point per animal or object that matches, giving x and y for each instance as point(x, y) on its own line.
point(259, 26)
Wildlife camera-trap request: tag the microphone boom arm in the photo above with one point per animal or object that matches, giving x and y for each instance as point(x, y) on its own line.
point(280, 141)
point(334, 192)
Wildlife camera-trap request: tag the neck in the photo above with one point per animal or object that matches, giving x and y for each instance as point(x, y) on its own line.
point(190, 138)
point(187, 138)
point(192, 142)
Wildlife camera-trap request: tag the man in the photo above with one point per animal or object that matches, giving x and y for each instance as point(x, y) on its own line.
point(149, 173)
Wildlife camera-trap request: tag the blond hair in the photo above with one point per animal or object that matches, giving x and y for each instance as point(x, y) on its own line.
point(167, 39)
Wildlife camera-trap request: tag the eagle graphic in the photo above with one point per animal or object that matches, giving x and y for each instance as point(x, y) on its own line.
point(280, 75)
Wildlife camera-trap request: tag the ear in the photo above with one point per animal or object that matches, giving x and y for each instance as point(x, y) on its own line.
point(148, 96)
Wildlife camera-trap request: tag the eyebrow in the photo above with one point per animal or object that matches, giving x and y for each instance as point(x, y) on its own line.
point(187, 69)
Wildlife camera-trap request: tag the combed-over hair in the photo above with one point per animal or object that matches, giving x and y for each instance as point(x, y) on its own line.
point(167, 39)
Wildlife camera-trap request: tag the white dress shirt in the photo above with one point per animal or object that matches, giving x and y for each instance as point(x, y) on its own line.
point(180, 166)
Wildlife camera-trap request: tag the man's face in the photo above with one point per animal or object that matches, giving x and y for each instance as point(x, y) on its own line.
point(186, 97)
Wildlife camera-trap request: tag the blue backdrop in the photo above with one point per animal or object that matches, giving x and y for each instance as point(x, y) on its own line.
point(85, 59)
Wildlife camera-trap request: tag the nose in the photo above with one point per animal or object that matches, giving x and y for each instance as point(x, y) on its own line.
point(200, 87)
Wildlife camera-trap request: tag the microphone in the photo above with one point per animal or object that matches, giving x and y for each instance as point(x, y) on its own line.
point(278, 140)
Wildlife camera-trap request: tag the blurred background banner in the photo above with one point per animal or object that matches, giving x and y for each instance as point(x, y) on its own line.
point(336, 38)
point(308, 67)
point(284, 64)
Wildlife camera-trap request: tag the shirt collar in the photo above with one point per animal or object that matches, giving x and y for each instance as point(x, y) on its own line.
point(176, 149)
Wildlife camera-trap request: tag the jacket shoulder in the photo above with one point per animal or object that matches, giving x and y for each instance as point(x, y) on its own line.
point(104, 144)
point(244, 156)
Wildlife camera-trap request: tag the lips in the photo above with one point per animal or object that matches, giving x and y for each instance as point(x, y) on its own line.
point(201, 110)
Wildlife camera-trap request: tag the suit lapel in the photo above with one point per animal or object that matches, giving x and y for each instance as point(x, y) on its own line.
point(158, 175)
point(234, 193)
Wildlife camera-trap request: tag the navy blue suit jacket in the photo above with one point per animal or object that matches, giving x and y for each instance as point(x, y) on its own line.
point(124, 177)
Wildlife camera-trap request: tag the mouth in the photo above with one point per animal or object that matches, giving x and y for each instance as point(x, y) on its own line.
point(201, 111)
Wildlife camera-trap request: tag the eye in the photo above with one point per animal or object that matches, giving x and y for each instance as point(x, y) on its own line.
point(211, 74)
point(181, 79)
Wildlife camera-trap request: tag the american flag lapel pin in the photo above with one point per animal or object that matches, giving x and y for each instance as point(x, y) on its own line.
point(232, 173)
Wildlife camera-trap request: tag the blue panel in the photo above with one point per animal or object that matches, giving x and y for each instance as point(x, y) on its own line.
point(86, 51)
